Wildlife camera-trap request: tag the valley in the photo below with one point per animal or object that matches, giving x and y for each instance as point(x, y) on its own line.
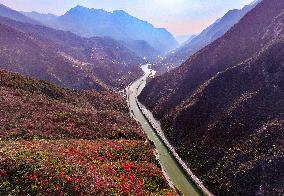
point(176, 174)
point(106, 101)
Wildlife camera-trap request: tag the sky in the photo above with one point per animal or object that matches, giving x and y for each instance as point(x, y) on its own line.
point(180, 17)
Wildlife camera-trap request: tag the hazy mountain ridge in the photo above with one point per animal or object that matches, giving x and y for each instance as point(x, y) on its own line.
point(223, 108)
point(117, 24)
point(14, 15)
point(182, 39)
point(207, 36)
point(42, 18)
point(142, 49)
point(84, 63)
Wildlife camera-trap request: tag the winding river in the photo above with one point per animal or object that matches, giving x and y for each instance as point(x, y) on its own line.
point(172, 168)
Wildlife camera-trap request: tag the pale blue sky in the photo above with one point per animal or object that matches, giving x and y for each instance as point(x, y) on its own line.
point(178, 16)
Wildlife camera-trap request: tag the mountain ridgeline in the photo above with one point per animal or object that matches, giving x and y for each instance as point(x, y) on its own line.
point(223, 108)
point(14, 15)
point(64, 58)
point(207, 36)
point(64, 128)
point(117, 24)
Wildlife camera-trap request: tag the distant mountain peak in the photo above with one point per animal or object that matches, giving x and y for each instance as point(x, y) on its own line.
point(81, 8)
point(120, 12)
point(78, 8)
point(117, 24)
point(1, 5)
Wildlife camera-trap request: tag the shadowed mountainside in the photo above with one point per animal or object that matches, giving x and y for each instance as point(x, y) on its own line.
point(223, 108)
point(65, 58)
point(207, 36)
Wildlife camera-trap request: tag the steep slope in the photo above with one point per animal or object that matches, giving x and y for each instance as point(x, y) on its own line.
point(118, 25)
point(142, 49)
point(232, 131)
point(223, 108)
point(25, 54)
point(9, 13)
point(189, 39)
point(182, 39)
point(63, 142)
point(61, 113)
point(66, 59)
point(42, 18)
point(207, 36)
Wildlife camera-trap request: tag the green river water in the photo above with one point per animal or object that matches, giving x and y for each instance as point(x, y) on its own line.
point(172, 168)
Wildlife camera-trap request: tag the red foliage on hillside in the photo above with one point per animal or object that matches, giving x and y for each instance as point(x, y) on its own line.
point(79, 167)
point(57, 141)
point(37, 109)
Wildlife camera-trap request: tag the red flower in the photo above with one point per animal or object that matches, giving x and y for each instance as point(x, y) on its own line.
point(3, 173)
point(119, 147)
point(139, 168)
point(126, 187)
point(76, 188)
point(62, 174)
point(139, 182)
point(77, 180)
point(127, 166)
point(123, 176)
point(131, 177)
point(33, 177)
point(68, 178)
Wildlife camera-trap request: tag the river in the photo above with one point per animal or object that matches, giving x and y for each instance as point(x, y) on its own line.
point(177, 176)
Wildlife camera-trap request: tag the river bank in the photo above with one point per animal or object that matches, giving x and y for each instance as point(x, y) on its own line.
point(185, 167)
point(177, 171)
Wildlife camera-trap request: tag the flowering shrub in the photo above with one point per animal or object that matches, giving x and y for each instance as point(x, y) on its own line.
point(36, 109)
point(79, 167)
point(55, 141)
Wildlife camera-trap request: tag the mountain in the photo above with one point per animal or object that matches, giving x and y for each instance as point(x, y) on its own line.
point(14, 15)
point(42, 18)
point(207, 36)
point(65, 58)
point(184, 38)
point(117, 24)
point(223, 108)
point(66, 142)
point(141, 48)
